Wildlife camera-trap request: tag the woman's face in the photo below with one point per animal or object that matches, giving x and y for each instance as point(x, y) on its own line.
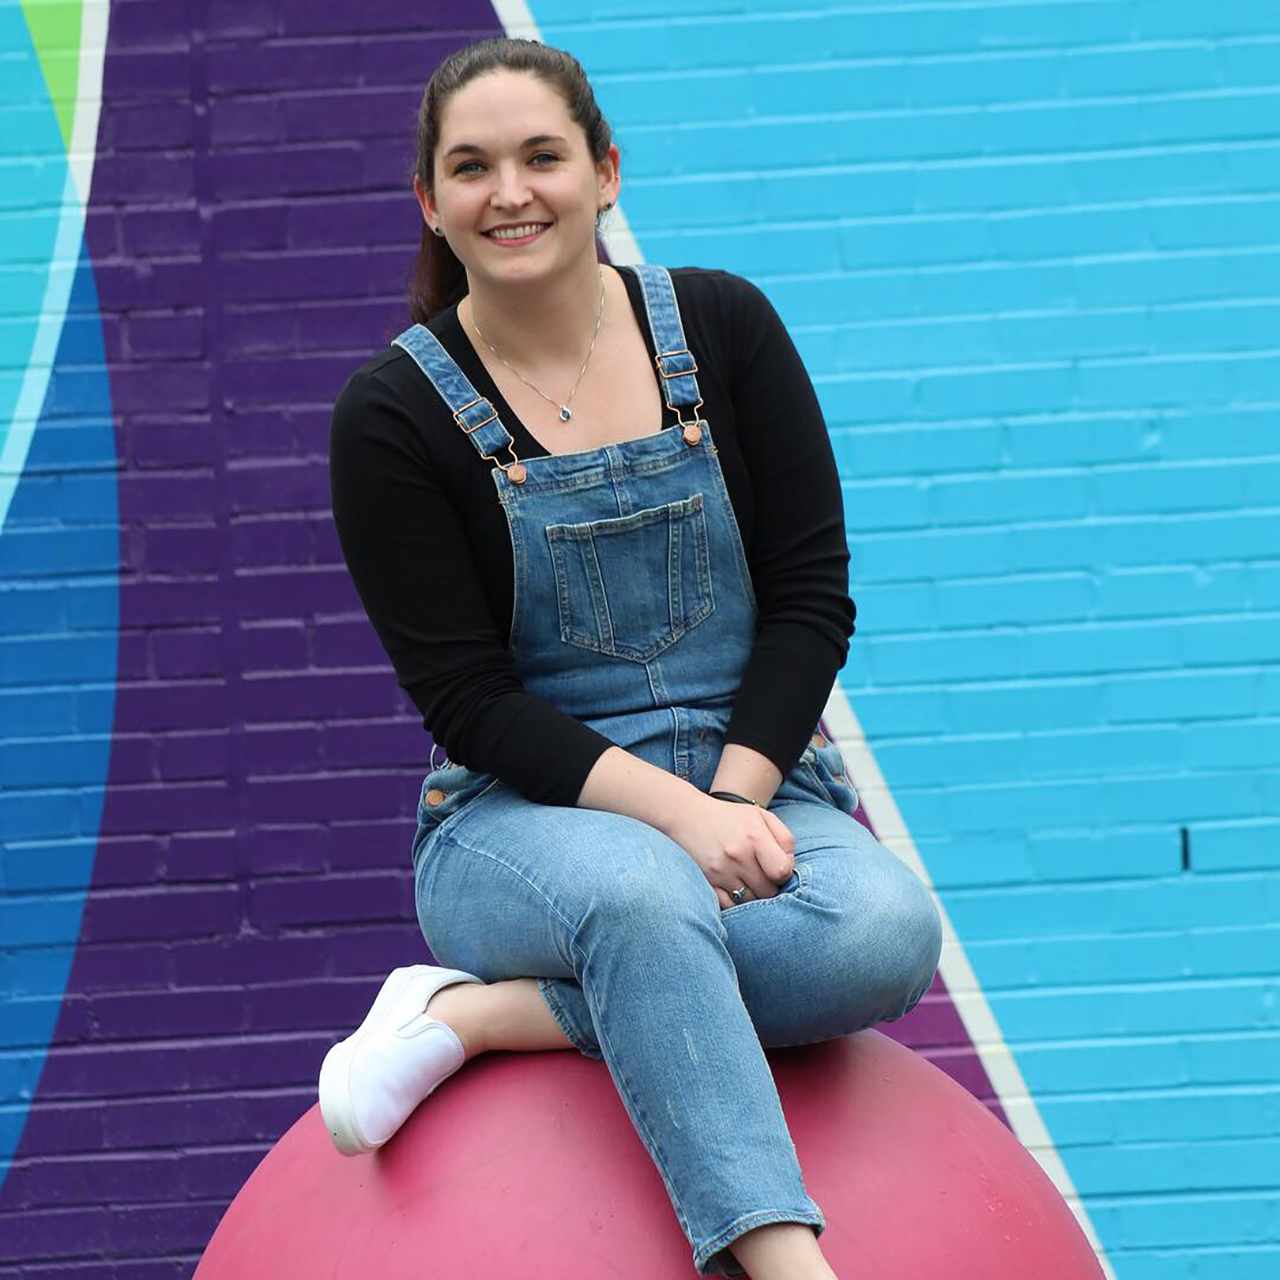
point(509, 154)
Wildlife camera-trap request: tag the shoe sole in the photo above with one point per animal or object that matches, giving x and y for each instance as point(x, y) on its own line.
point(335, 1079)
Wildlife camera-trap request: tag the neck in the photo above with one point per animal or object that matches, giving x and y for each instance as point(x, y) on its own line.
point(537, 324)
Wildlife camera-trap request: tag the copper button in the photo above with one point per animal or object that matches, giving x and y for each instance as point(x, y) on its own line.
point(817, 740)
point(434, 796)
point(516, 473)
point(692, 433)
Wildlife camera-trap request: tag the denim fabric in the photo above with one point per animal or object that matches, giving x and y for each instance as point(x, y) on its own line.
point(634, 611)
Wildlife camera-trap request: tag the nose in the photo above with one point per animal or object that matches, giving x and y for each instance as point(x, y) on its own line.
point(511, 190)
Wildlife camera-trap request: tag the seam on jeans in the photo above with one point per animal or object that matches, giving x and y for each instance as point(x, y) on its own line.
point(739, 546)
point(554, 1003)
point(518, 560)
point(546, 902)
point(594, 476)
point(641, 1122)
point(748, 1222)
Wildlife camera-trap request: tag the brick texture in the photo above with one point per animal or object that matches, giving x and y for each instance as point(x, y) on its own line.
point(1028, 253)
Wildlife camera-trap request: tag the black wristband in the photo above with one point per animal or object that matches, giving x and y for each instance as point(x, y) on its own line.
point(731, 795)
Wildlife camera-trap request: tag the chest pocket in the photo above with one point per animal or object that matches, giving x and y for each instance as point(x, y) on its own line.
point(631, 586)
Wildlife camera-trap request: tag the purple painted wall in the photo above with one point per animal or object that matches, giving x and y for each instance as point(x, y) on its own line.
point(250, 228)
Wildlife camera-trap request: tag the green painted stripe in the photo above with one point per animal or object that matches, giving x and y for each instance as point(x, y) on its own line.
point(55, 33)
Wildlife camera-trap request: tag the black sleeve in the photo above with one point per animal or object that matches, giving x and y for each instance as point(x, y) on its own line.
point(413, 570)
point(799, 554)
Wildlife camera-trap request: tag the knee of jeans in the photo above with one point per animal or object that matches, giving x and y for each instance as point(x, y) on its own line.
point(919, 929)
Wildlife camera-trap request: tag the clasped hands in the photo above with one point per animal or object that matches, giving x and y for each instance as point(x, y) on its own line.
point(737, 844)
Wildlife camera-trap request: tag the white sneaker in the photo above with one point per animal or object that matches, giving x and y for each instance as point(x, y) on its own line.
point(371, 1082)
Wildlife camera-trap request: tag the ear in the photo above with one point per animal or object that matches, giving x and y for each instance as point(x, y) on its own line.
point(426, 202)
point(609, 175)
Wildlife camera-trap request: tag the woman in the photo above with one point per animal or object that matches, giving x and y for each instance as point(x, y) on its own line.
point(650, 853)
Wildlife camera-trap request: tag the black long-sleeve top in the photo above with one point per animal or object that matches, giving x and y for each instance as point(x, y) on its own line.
point(429, 551)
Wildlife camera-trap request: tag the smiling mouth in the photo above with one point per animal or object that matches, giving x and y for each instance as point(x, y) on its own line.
point(538, 229)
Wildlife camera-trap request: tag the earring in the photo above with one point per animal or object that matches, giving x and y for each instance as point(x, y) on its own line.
point(438, 230)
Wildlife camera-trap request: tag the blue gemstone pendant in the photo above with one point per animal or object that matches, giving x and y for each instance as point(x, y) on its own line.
point(565, 414)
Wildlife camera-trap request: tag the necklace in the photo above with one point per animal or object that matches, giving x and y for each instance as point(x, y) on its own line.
point(565, 412)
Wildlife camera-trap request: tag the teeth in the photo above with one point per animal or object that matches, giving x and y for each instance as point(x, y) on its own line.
point(516, 233)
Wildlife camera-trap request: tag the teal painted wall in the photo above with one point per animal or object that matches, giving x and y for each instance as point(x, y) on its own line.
point(1031, 255)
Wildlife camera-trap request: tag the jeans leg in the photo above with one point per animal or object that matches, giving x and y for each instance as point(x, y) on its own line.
point(853, 938)
point(512, 889)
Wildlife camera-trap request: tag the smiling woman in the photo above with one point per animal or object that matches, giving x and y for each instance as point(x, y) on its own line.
point(618, 640)
point(518, 113)
point(488, 177)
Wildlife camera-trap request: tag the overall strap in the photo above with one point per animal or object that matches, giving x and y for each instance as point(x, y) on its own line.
point(474, 414)
point(676, 365)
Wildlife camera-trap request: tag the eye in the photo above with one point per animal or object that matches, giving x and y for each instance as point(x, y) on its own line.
point(540, 155)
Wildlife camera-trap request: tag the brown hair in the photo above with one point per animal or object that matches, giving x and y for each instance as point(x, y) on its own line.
point(438, 279)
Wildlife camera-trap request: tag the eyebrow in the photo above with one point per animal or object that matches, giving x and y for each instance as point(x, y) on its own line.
point(536, 141)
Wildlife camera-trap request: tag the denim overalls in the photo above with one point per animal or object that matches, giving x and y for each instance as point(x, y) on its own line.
point(634, 611)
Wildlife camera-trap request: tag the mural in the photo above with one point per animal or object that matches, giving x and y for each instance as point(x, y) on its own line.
point(59, 537)
point(1027, 254)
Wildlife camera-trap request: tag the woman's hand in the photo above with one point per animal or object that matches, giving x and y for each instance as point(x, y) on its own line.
point(734, 844)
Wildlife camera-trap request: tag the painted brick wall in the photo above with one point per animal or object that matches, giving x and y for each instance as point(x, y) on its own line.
point(1029, 253)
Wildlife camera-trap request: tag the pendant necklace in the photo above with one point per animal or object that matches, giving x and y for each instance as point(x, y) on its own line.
point(565, 412)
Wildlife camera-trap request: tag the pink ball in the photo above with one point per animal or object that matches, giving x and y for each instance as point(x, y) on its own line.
point(526, 1164)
